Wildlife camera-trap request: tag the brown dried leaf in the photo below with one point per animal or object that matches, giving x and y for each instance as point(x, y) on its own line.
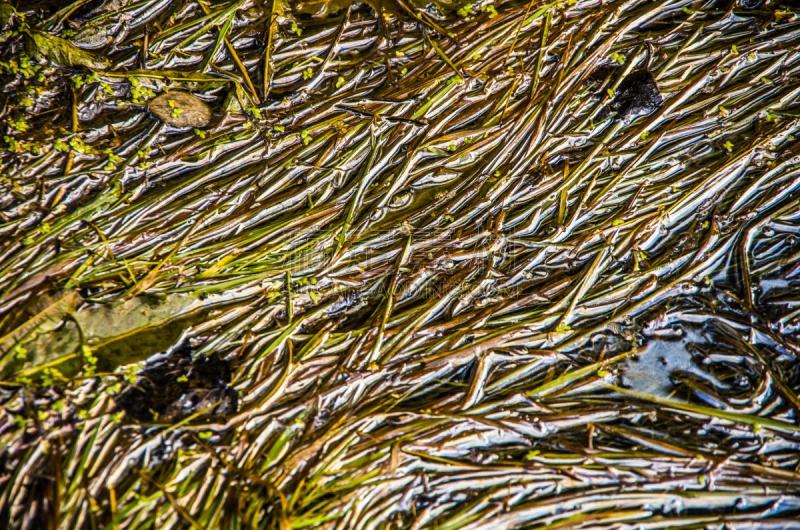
point(179, 109)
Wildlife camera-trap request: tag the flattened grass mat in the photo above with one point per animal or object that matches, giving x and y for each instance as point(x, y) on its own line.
point(400, 264)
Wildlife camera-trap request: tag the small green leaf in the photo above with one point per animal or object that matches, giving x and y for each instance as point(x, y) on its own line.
point(256, 112)
point(464, 11)
point(77, 144)
point(19, 124)
point(19, 352)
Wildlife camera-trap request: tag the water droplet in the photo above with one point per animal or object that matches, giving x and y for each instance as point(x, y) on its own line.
point(400, 200)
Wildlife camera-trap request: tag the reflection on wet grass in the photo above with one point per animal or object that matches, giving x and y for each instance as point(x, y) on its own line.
point(400, 264)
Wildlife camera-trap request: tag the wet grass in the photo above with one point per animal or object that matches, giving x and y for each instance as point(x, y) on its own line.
point(428, 247)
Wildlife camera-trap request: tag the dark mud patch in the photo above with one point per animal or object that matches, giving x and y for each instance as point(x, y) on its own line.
point(637, 94)
point(171, 389)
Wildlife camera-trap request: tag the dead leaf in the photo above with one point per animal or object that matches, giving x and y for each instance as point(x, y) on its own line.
point(179, 109)
point(119, 333)
point(47, 312)
point(62, 52)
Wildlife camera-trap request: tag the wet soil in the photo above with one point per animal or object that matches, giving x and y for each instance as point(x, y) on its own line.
point(175, 387)
point(637, 94)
